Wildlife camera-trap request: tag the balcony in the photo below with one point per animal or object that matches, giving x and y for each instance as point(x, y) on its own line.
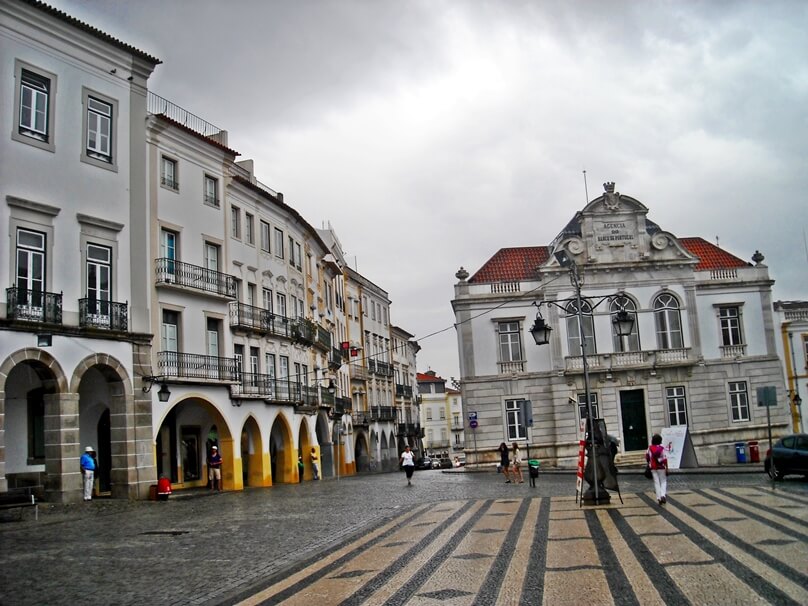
point(266, 387)
point(103, 314)
point(327, 399)
point(382, 369)
point(733, 351)
point(509, 367)
point(382, 413)
point(33, 306)
point(303, 331)
point(323, 339)
point(185, 275)
point(403, 391)
point(197, 367)
point(457, 425)
point(261, 321)
point(359, 372)
point(630, 359)
point(342, 405)
point(335, 359)
point(360, 417)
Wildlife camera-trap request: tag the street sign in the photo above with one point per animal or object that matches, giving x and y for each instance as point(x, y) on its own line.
point(473, 423)
point(472, 416)
point(767, 396)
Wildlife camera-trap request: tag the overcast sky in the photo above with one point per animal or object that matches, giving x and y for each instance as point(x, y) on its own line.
point(433, 133)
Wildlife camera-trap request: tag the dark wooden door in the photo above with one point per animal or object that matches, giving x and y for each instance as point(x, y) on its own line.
point(635, 431)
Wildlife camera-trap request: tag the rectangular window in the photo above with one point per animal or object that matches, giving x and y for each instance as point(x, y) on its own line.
point(373, 310)
point(99, 129)
point(739, 401)
point(677, 411)
point(213, 326)
point(211, 191)
point(212, 256)
point(284, 369)
point(730, 320)
point(291, 251)
point(34, 105)
point(265, 237)
point(582, 411)
point(249, 228)
point(298, 257)
point(251, 294)
point(254, 354)
point(235, 222)
point(281, 299)
point(30, 265)
point(168, 174)
point(428, 413)
point(442, 414)
point(510, 342)
point(514, 420)
point(169, 331)
point(267, 296)
point(279, 243)
point(238, 354)
point(99, 279)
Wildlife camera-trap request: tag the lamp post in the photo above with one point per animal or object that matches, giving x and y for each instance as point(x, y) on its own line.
point(624, 325)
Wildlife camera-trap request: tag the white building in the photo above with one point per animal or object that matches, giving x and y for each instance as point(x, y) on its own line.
point(703, 341)
point(441, 416)
point(74, 309)
point(793, 347)
point(407, 397)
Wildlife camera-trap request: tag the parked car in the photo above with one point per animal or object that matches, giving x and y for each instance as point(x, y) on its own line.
point(441, 463)
point(789, 455)
point(423, 463)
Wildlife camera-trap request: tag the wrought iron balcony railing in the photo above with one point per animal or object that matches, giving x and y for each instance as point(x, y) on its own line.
point(267, 387)
point(342, 405)
point(335, 359)
point(33, 305)
point(260, 320)
point(403, 391)
point(170, 271)
point(383, 369)
point(359, 372)
point(360, 417)
point(327, 399)
point(382, 413)
point(303, 331)
point(323, 340)
point(103, 314)
point(173, 364)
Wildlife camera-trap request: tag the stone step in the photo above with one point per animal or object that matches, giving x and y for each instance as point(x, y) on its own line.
point(634, 458)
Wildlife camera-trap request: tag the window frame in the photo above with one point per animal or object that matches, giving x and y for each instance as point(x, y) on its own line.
point(630, 342)
point(574, 320)
point(266, 237)
point(249, 228)
point(730, 327)
point(215, 202)
point(26, 135)
point(235, 222)
point(279, 244)
point(737, 409)
point(174, 184)
point(515, 426)
point(515, 333)
point(96, 158)
point(676, 405)
point(663, 314)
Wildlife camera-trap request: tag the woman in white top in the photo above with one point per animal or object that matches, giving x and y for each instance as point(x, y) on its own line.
point(407, 462)
point(516, 472)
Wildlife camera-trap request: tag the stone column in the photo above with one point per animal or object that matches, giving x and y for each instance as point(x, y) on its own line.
point(3, 480)
point(62, 448)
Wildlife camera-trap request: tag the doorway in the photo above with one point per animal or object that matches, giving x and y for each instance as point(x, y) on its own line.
point(632, 412)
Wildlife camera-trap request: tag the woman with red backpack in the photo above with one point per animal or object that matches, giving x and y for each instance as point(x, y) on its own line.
point(658, 461)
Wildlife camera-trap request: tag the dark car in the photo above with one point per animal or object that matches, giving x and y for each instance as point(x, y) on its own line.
point(789, 455)
point(444, 463)
point(423, 463)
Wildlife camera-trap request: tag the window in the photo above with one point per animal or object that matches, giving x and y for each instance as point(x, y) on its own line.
point(251, 294)
point(514, 420)
point(168, 252)
point(739, 401)
point(254, 355)
point(279, 243)
point(168, 174)
point(442, 414)
point(99, 279)
point(730, 322)
point(583, 413)
point(34, 106)
point(235, 222)
point(577, 323)
point(238, 354)
point(299, 257)
point(213, 326)
point(211, 191)
point(100, 117)
point(668, 322)
point(291, 251)
point(677, 412)
point(373, 310)
point(629, 342)
point(30, 266)
point(169, 331)
point(281, 307)
point(267, 296)
point(428, 413)
point(249, 228)
point(510, 342)
point(265, 237)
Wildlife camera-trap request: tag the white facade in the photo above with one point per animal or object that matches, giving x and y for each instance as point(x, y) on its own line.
point(703, 341)
point(792, 320)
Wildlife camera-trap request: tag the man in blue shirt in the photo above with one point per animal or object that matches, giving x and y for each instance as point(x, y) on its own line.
point(88, 472)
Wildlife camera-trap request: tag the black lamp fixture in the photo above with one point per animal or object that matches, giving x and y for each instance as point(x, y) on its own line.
point(797, 400)
point(540, 330)
point(332, 387)
point(163, 394)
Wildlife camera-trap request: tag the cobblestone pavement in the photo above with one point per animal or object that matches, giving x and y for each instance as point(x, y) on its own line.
point(461, 538)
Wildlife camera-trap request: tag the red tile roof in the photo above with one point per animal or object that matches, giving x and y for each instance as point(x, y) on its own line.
point(425, 378)
point(517, 264)
point(512, 265)
point(710, 256)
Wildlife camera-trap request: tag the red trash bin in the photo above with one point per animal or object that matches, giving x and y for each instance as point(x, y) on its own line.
point(163, 488)
point(754, 452)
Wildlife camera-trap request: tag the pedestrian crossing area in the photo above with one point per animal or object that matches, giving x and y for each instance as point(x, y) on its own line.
point(739, 545)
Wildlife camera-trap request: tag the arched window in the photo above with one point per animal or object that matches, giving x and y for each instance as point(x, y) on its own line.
point(668, 322)
point(629, 342)
point(576, 321)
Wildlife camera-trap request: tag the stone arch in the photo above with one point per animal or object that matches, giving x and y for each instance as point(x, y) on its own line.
point(254, 461)
point(183, 439)
point(116, 371)
point(33, 385)
point(323, 435)
point(362, 452)
point(282, 455)
point(304, 450)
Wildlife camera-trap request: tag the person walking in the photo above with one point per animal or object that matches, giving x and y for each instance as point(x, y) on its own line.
point(215, 469)
point(301, 468)
point(504, 461)
point(87, 463)
point(659, 468)
point(516, 471)
point(407, 463)
point(315, 463)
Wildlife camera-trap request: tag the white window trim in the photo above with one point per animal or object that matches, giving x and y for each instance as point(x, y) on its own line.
point(16, 135)
point(112, 165)
point(176, 187)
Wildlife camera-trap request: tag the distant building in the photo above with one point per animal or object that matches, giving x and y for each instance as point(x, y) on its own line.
point(703, 340)
point(793, 343)
point(441, 416)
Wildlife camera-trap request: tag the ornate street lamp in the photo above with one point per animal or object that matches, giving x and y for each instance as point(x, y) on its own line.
point(164, 394)
point(623, 323)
